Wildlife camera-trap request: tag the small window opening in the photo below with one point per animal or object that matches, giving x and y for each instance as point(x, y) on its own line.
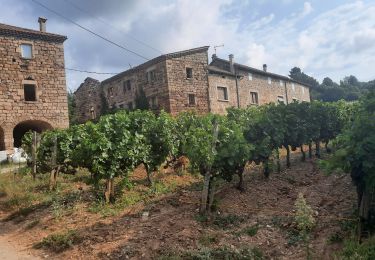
point(29, 92)
point(26, 51)
point(269, 80)
point(191, 99)
point(222, 93)
point(280, 99)
point(189, 73)
point(254, 98)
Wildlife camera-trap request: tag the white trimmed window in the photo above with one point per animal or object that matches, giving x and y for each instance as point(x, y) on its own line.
point(250, 76)
point(222, 93)
point(281, 82)
point(303, 89)
point(269, 80)
point(293, 87)
point(27, 51)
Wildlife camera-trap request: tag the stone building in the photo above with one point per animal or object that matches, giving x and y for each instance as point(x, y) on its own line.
point(183, 81)
point(236, 85)
point(88, 100)
point(32, 83)
point(174, 82)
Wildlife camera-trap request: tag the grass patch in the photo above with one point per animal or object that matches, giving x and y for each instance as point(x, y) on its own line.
point(354, 250)
point(59, 242)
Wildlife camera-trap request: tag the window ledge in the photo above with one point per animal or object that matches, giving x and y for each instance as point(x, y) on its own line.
point(31, 102)
point(223, 100)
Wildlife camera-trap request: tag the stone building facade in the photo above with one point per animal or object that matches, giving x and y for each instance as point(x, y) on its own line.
point(172, 82)
point(32, 83)
point(88, 100)
point(236, 85)
point(185, 81)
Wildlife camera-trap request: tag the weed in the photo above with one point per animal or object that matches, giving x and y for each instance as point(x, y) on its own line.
point(208, 239)
point(251, 231)
point(354, 250)
point(227, 221)
point(32, 224)
point(59, 242)
point(201, 218)
point(336, 237)
point(294, 237)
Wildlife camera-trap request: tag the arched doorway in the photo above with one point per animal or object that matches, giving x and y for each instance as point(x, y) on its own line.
point(30, 125)
point(2, 140)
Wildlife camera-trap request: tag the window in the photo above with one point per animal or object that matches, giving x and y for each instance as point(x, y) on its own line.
point(293, 87)
point(126, 85)
point(250, 76)
point(110, 91)
point(151, 76)
point(280, 99)
point(189, 73)
point(222, 93)
point(191, 100)
point(153, 102)
point(26, 51)
point(254, 98)
point(303, 90)
point(295, 100)
point(29, 92)
point(269, 80)
point(281, 83)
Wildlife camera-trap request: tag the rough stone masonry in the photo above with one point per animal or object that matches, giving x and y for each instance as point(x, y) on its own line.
point(33, 92)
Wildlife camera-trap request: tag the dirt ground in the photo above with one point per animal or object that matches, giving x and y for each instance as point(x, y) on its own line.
point(171, 222)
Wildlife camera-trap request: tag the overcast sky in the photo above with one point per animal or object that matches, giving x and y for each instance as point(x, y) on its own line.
point(324, 38)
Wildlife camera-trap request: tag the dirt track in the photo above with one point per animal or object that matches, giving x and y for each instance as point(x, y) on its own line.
point(9, 251)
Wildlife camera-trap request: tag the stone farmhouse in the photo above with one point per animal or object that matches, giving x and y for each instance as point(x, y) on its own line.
point(184, 81)
point(33, 92)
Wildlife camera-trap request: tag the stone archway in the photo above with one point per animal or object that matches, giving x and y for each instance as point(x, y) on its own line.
point(2, 139)
point(28, 125)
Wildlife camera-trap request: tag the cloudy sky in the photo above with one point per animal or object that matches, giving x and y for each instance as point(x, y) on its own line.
point(324, 38)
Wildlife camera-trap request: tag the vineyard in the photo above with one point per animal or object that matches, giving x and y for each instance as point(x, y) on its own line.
point(217, 149)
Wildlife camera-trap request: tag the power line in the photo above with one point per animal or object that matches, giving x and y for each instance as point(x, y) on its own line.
point(112, 26)
point(92, 72)
point(90, 31)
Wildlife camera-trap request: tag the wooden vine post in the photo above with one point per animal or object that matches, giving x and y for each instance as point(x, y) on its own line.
point(207, 176)
point(33, 154)
point(55, 168)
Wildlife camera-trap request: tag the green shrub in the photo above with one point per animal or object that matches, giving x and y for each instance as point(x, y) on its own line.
point(59, 242)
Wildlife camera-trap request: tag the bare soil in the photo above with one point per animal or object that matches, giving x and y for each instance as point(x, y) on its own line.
point(171, 222)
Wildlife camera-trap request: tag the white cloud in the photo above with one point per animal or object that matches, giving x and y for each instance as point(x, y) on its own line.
point(333, 43)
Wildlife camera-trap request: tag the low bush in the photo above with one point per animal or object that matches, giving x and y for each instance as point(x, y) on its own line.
point(59, 242)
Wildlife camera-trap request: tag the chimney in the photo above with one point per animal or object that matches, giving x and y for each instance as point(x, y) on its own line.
point(265, 67)
point(214, 57)
point(231, 63)
point(42, 24)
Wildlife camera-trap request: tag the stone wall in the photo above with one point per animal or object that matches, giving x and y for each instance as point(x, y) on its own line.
point(180, 86)
point(220, 106)
point(120, 95)
point(46, 71)
point(88, 100)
